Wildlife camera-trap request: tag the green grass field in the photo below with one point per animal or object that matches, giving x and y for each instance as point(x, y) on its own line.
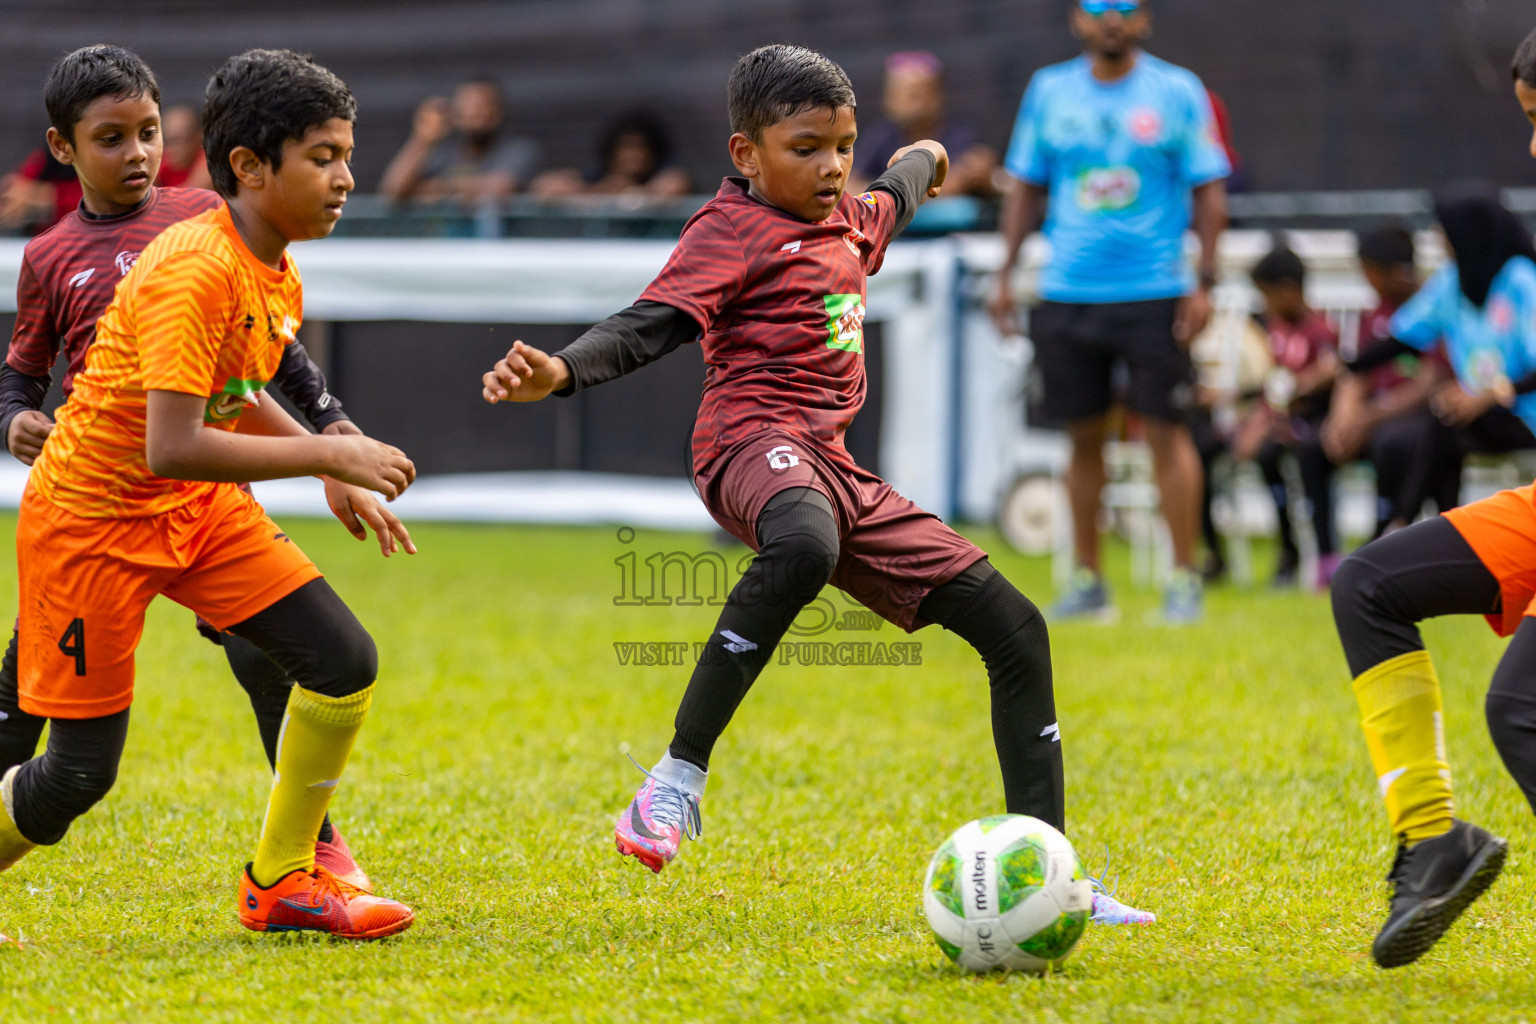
point(1220, 765)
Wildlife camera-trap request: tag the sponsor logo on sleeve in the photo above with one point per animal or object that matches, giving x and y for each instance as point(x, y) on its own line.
point(235, 396)
point(868, 199)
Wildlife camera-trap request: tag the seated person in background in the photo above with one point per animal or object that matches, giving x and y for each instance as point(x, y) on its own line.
point(913, 103)
point(456, 151)
point(1383, 414)
point(1225, 394)
point(38, 194)
point(632, 160)
point(1304, 346)
point(1482, 303)
point(183, 164)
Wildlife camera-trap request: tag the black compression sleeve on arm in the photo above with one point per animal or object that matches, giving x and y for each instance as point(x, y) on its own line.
point(908, 182)
point(624, 342)
point(302, 383)
point(1380, 354)
point(19, 392)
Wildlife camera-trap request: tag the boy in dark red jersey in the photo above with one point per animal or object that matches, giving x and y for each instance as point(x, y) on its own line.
point(104, 105)
point(1304, 346)
point(769, 277)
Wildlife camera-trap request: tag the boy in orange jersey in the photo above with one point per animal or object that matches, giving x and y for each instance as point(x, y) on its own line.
point(133, 495)
point(104, 106)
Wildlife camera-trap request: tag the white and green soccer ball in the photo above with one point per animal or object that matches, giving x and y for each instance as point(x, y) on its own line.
point(1007, 893)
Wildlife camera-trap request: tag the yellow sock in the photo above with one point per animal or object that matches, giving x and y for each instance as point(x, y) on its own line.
point(13, 845)
point(1400, 710)
point(312, 752)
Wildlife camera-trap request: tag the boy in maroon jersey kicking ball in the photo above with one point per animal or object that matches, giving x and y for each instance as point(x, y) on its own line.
point(769, 277)
point(104, 106)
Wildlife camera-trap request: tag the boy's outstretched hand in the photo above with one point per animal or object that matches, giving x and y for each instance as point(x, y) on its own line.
point(355, 506)
point(940, 159)
point(527, 374)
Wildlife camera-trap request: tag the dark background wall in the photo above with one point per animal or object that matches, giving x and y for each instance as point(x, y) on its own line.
point(1323, 93)
point(418, 386)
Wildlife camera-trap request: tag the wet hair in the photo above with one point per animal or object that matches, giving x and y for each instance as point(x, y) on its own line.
point(644, 124)
point(1523, 68)
point(89, 73)
point(1389, 245)
point(1280, 266)
point(776, 82)
point(261, 99)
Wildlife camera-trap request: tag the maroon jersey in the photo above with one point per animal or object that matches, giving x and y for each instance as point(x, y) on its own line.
point(1297, 346)
point(69, 272)
point(781, 304)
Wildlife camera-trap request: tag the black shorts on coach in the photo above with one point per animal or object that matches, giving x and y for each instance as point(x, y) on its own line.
point(1078, 346)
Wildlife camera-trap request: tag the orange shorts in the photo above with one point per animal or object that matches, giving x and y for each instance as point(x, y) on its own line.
point(1501, 531)
point(85, 584)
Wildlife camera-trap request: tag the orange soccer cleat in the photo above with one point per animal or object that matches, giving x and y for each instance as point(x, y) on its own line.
point(336, 857)
point(319, 901)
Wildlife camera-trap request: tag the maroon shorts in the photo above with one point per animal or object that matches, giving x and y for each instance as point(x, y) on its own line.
point(891, 553)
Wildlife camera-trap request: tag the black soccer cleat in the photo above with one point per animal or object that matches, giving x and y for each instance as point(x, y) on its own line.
point(1431, 885)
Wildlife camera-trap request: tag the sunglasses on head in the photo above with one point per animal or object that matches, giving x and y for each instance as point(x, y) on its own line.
point(1099, 8)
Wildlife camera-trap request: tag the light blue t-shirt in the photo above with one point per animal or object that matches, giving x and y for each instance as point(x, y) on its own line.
point(1120, 159)
point(1485, 346)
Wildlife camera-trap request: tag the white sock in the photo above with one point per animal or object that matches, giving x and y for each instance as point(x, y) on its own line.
point(690, 778)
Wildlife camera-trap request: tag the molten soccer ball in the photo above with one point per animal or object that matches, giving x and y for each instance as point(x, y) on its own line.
point(1007, 893)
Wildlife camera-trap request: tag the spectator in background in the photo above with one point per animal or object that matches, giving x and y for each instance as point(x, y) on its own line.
point(183, 164)
point(1120, 148)
point(1304, 346)
point(634, 158)
point(1383, 414)
point(457, 150)
point(38, 194)
point(1482, 304)
point(913, 104)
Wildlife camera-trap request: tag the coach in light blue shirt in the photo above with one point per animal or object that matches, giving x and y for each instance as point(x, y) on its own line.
point(1116, 154)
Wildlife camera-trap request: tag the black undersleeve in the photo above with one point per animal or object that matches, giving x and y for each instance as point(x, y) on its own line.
point(1009, 633)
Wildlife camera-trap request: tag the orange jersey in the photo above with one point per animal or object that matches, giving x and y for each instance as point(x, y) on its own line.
point(1501, 531)
point(198, 314)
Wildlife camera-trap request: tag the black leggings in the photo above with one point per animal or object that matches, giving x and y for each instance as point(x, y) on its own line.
point(311, 635)
point(1386, 588)
point(799, 542)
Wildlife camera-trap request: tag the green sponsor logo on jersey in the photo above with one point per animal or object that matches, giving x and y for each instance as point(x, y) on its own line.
point(1107, 189)
point(236, 395)
point(845, 322)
